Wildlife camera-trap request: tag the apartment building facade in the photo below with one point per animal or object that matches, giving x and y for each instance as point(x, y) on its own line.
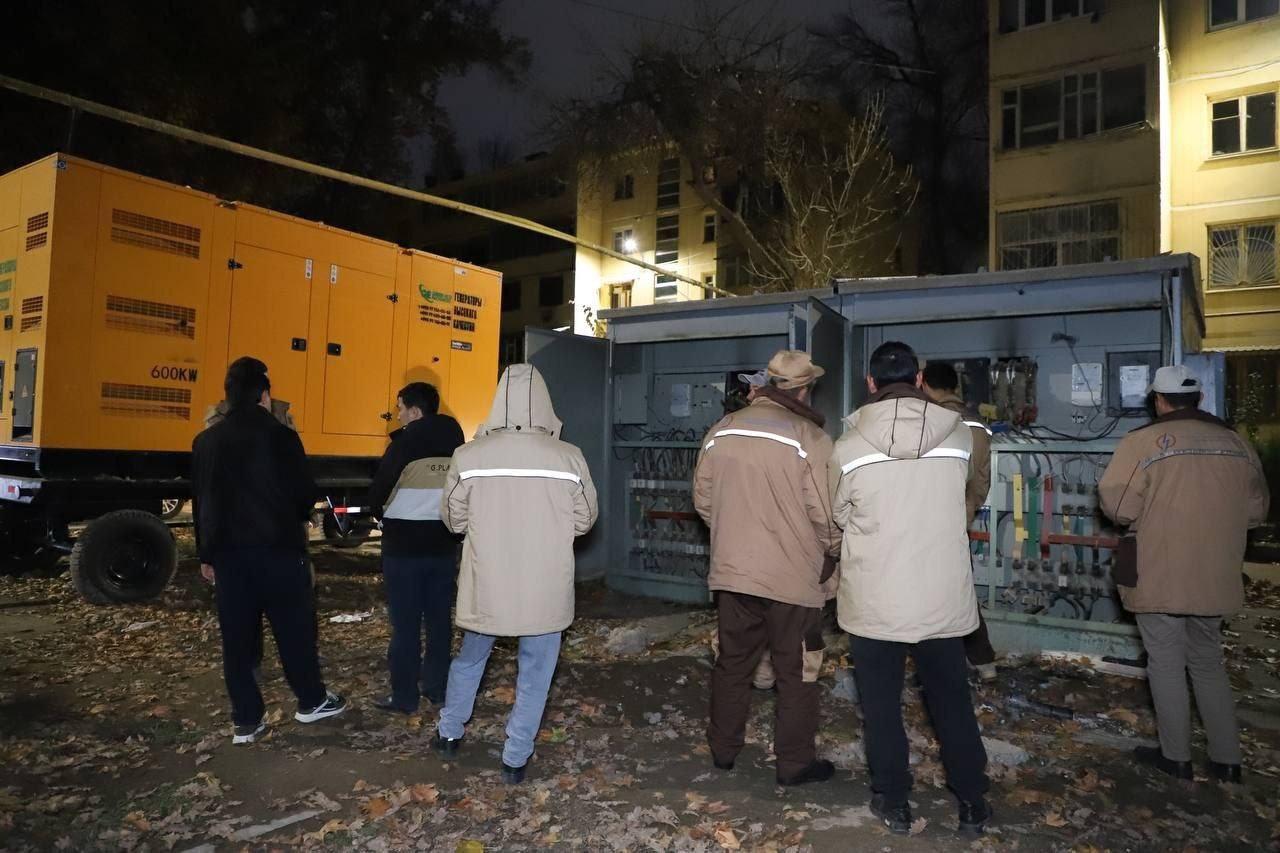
point(1124, 128)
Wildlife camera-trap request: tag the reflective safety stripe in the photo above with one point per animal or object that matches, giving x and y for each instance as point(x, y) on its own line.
point(521, 472)
point(771, 436)
point(936, 453)
point(979, 425)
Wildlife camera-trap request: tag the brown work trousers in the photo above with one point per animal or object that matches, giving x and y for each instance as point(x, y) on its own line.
point(793, 636)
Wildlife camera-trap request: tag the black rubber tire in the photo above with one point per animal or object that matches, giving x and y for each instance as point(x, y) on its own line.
point(123, 557)
point(174, 511)
point(357, 533)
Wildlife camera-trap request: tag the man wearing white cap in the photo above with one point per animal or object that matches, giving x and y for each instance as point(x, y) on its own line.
point(1189, 487)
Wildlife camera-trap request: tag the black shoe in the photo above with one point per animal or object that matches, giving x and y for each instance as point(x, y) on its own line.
point(513, 775)
point(436, 701)
point(897, 819)
point(446, 747)
point(819, 771)
point(722, 765)
point(1225, 772)
point(332, 706)
point(1151, 756)
point(389, 705)
point(974, 816)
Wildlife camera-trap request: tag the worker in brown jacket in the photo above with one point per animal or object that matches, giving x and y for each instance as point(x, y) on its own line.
point(942, 384)
point(760, 486)
point(1190, 488)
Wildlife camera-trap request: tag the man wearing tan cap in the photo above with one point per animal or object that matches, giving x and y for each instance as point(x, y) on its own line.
point(760, 486)
point(1189, 487)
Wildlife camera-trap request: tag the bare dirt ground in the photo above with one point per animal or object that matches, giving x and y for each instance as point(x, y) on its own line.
point(114, 734)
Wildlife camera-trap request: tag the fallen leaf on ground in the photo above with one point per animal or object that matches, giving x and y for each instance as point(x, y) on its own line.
point(727, 839)
point(918, 825)
point(424, 793)
point(1055, 820)
point(376, 808)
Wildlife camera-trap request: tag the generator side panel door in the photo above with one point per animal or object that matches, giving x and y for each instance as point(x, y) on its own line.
point(357, 352)
point(473, 343)
point(8, 280)
point(270, 316)
point(575, 368)
point(828, 332)
point(24, 392)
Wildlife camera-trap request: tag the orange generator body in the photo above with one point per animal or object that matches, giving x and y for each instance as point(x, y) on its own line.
point(123, 299)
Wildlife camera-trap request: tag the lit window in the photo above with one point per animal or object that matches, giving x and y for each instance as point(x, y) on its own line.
point(665, 288)
point(1247, 123)
point(1058, 236)
point(620, 295)
point(667, 240)
point(624, 187)
point(1020, 14)
point(624, 241)
point(709, 228)
point(1076, 105)
point(669, 183)
point(1227, 13)
point(1242, 255)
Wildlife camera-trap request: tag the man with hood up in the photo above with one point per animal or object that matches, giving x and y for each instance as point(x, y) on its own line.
point(899, 475)
point(520, 495)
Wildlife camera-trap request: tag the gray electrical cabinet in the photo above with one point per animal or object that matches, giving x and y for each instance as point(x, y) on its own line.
point(1034, 348)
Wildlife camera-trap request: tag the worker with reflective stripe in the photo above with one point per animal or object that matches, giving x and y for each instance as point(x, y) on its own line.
point(760, 487)
point(1190, 488)
point(942, 384)
point(899, 474)
point(419, 556)
point(520, 495)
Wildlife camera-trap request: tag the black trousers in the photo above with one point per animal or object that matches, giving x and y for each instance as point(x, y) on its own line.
point(419, 594)
point(879, 667)
point(251, 583)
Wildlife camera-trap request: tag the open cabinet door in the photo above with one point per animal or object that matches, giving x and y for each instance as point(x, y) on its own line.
point(828, 335)
point(575, 368)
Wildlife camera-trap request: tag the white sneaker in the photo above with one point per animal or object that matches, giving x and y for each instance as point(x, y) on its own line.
point(332, 706)
point(986, 671)
point(249, 733)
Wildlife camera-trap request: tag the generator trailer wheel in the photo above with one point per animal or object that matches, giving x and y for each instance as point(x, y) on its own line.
point(123, 557)
point(171, 508)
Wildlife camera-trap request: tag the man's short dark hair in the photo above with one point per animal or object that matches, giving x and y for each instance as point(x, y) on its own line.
point(894, 361)
point(422, 395)
point(941, 376)
point(246, 382)
point(1190, 400)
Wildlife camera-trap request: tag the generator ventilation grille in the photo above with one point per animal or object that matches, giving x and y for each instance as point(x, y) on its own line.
point(37, 231)
point(161, 235)
point(154, 318)
point(32, 314)
point(146, 401)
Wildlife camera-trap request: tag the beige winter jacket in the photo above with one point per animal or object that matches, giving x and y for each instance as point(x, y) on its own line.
point(1190, 488)
point(898, 476)
point(520, 495)
point(979, 485)
point(760, 487)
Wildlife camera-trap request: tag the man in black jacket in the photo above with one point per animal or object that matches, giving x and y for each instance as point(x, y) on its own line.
point(252, 495)
point(419, 556)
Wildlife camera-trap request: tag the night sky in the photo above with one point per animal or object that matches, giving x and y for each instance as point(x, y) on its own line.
point(570, 41)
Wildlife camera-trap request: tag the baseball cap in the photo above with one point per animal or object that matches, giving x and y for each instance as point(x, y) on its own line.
point(793, 369)
point(1175, 379)
point(753, 379)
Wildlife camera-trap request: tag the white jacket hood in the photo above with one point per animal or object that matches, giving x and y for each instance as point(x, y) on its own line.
point(521, 403)
point(903, 427)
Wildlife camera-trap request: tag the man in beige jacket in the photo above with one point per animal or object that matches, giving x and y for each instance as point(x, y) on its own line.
point(1190, 488)
point(759, 487)
point(520, 495)
point(906, 586)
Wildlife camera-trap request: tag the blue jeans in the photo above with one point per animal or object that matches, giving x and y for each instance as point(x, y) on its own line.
point(538, 657)
point(419, 590)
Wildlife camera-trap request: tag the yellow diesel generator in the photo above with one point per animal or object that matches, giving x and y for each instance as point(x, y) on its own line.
point(123, 299)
